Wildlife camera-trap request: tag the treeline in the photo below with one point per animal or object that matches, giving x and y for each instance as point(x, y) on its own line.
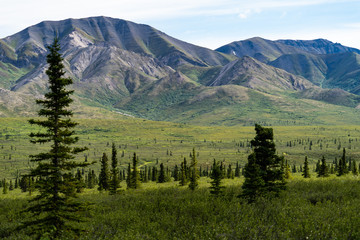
point(110, 176)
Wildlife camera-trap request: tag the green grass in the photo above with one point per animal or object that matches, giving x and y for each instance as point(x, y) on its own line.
point(309, 209)
point(153, 140)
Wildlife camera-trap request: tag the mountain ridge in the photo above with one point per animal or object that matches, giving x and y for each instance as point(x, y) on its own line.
point(119, 65)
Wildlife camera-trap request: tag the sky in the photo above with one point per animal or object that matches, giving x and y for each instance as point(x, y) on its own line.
point(207, 23)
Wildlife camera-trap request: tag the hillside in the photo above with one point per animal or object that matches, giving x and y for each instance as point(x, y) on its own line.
point(121, 66)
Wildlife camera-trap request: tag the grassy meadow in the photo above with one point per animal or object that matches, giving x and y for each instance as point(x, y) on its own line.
point(168, 143)
point(325, 208)
point(315, 208)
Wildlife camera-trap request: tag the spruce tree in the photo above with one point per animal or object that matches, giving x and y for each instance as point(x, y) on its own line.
point(354, 168)
point(104, 176)
point(324, 170)
point(114, 182)
point(54, 208)
point(5, 187)
point(237, 170)
point(135, 176)
point(287, 172)
point(194, 172)
point(161, 178)
point(183, 173)
point(342, 168)
point(306, 172)
point(216, 176)
point(263, 173)
point(176, 173)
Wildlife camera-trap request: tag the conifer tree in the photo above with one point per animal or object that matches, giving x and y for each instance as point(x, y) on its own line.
point(342, 168)
point(194, 172)
point(324, 170)
point(237, 170)
point(114, 182)
point(176, 173)
point(5, 187)
point(161, 178)
point(263, 173)
point(104, 176)
point(306, 172)
point(216, 176)
point(183, 173)
point(287, 172)
point(55, 208)
point(354, 168)
point(135, 176)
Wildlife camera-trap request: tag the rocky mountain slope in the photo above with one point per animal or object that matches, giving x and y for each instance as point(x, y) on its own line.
point(122, 66)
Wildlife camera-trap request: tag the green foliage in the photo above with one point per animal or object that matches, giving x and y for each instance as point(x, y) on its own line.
point(114, 182)
point(342, 168)
point(317, 208)
point(104, 176)
point(216, 176)
point(161, 178)
point(263, 173)
point(54, 207)
point(134, 176)
point(184, 173)
point(306, 170)
point(324, 170)
point(193, 171)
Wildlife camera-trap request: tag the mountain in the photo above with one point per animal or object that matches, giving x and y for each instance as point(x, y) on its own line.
point(120, 67)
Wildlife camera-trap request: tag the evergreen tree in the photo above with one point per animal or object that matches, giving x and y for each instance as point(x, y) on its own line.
point(237, 170)
point(342, 168)
point(114, 182)
point(176, 173)
point(230, 173)
point(324, 170)
point(80, 185)
point(161, 178)
point(24, 183)
point(194, 172)
point(135, 176)
point(354, 168)
point(306, 172)
point(54, 208)
point(183, 173)
point(287, 172)
point(5, 187)
point(216, 176)
point(263, 173)
point(104, 176)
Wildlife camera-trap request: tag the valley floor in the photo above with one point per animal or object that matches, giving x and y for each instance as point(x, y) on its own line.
point(315, 208)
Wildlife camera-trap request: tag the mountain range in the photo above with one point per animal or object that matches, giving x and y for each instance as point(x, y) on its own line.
point(134, 69)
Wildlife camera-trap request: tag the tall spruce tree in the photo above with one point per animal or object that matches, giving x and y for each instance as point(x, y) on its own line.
point(324, 170)
point(216, 176)
point(135, 175)
point(161, 178)
point(306, 170)
point(342, 168)
point(263, 173)
point(54, 208)
point(194, 172)
point(183, 173)
point(104, 176)
point(114, 182)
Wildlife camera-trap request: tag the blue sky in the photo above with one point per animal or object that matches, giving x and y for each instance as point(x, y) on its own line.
point(208, 23)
